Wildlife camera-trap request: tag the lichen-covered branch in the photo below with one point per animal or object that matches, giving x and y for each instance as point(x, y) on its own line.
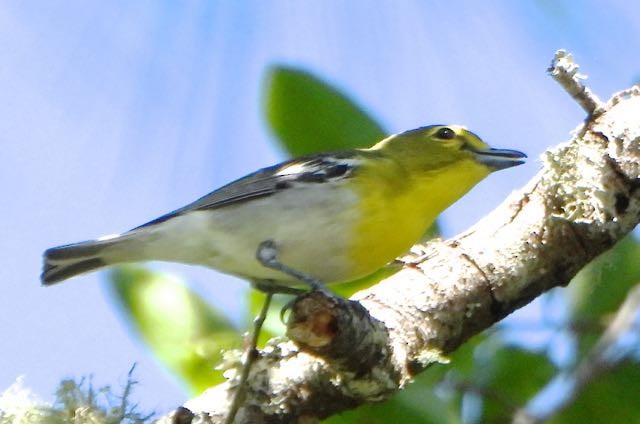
point(565, 71)
point(585, 198)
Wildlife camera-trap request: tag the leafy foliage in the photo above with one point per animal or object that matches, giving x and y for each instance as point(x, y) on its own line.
point(307, 115)
point(599, 289)
point(186, 334)
point(613, 398)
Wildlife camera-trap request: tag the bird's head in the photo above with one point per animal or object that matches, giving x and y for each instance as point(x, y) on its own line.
point(438, 146)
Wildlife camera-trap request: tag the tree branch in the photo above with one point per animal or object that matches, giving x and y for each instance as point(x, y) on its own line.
point(565, 71)
point(343, 354)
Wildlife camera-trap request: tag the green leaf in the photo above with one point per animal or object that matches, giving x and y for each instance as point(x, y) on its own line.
point(462, 360)
point(419, 403)
point(611, 398)
point(516, 375)
point(504, 377)
point(183, 332)
point(307, 115)
point(601, 287)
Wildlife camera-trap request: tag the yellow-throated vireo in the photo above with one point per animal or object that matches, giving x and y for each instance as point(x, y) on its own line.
point(324, 218)
point(331, 217)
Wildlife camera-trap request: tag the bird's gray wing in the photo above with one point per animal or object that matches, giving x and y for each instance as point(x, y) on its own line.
point(304, 170)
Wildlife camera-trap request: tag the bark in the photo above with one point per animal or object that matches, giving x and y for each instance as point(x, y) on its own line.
point(345, 353)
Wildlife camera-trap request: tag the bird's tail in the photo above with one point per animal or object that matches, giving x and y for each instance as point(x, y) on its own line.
point(74, 259)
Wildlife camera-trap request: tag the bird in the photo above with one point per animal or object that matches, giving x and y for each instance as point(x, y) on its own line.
point(307, 222)
point(334, 216)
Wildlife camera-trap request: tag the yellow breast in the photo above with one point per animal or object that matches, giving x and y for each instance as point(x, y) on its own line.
point(395, 216)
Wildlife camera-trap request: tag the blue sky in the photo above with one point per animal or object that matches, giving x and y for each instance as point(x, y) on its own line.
point(114, 113)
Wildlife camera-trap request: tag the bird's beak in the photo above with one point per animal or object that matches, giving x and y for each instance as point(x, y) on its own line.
point(499, 158)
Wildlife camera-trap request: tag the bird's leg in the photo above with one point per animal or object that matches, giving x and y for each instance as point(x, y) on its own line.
point(251, 355)
point(267, 255)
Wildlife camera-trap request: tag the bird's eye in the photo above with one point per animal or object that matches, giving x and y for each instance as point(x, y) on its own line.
point(446, 133)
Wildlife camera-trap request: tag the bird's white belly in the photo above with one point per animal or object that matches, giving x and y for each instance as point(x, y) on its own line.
point(311, 226)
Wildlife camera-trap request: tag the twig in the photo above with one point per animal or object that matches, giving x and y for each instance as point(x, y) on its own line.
point(565, 71)
point(250, 357)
